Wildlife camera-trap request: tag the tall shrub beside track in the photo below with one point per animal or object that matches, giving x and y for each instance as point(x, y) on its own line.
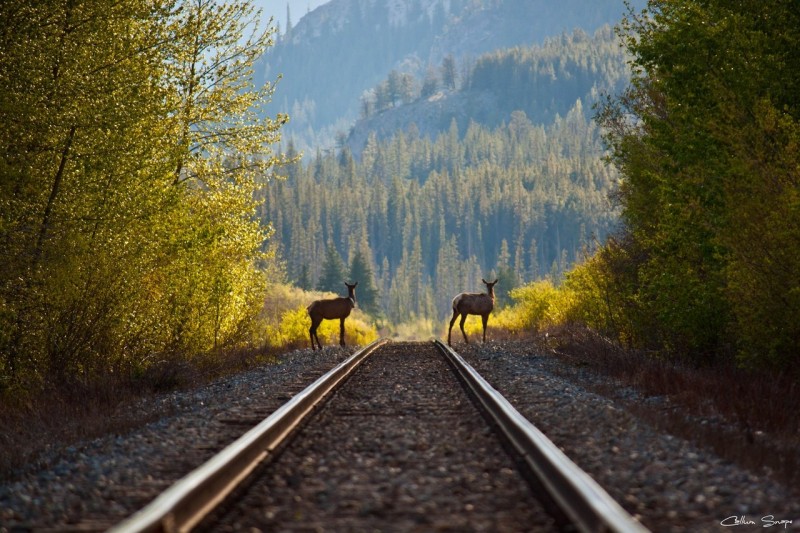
point(708, 264)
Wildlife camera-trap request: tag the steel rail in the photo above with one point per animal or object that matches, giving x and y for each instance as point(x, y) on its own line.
point(191, 498)
point(585, 503)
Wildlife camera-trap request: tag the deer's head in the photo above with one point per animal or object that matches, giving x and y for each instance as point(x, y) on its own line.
point(351, 291)
point(490, 286)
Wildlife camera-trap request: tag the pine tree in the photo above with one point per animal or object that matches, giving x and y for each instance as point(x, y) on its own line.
point(430, 83)
point(449, 72)
point(304, 280)
point(333, 273)
point(361, 272)
point(506, 275)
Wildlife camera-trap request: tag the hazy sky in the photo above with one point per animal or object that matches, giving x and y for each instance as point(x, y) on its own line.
point(277, 9)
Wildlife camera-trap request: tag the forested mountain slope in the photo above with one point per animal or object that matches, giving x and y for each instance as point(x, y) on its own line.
point(345, 47)
point(544, 81)
point(434, 216)
point(435, 213)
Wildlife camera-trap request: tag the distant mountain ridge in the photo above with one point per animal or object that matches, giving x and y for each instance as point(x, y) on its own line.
point(544, 82)
point(345, 47)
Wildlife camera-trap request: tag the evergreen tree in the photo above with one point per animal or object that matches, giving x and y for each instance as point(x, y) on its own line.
point(333, 272)
point(361, 272)
point(505, 273)
point(448, 281)
point(430, 83)
point(449, 72)
point(394, 87)
point(408, 88)
point(304, 280)
point(383, 97)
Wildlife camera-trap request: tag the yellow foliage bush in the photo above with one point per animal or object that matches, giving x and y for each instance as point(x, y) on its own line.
point(286, 321)
point(473, 327)
point(587, 296)
point(536, 306)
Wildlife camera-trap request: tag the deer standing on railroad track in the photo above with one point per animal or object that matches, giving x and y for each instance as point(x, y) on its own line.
point(473, 303)
point(331, 309)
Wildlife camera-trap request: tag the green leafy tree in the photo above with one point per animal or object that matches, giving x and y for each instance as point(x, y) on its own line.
point(80, 183)
point(709, 148)
point(129, 163)
point(220, 156)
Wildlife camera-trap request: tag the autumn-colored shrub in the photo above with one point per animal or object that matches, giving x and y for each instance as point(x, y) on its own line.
point(285, 321)
point(536, 306)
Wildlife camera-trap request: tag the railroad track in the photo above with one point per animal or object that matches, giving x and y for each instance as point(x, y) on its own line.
point(400, 446)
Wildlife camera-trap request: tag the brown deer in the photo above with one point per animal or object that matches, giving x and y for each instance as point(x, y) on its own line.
point(472, 303)
point(331, 309)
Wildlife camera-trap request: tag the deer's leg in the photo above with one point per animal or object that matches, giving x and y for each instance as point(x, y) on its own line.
point(341, 332)
point(464, 319)
point(312, 332)
point(485, 320)
point(452, 321)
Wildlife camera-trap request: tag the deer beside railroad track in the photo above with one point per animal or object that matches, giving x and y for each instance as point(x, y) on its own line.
point(471, 303)
point(331, 309)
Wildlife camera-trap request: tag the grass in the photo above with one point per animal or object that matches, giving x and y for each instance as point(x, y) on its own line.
point(747, 417)
point(414, 329)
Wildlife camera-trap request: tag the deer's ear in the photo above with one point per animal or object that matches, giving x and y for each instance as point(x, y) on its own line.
point(355, 284)
point(483, 280)
point(495, 281)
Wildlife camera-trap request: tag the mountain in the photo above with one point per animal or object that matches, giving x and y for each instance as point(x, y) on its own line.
point(286, 12)
point(343, 48)
point(502, 176)
point(543, 81)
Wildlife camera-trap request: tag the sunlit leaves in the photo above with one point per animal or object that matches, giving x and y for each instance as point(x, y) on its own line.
point(709, 161)
point(131, 153)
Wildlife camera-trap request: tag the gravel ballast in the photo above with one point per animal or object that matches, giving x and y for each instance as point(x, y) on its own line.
point(401, 447)
point(667, 482)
